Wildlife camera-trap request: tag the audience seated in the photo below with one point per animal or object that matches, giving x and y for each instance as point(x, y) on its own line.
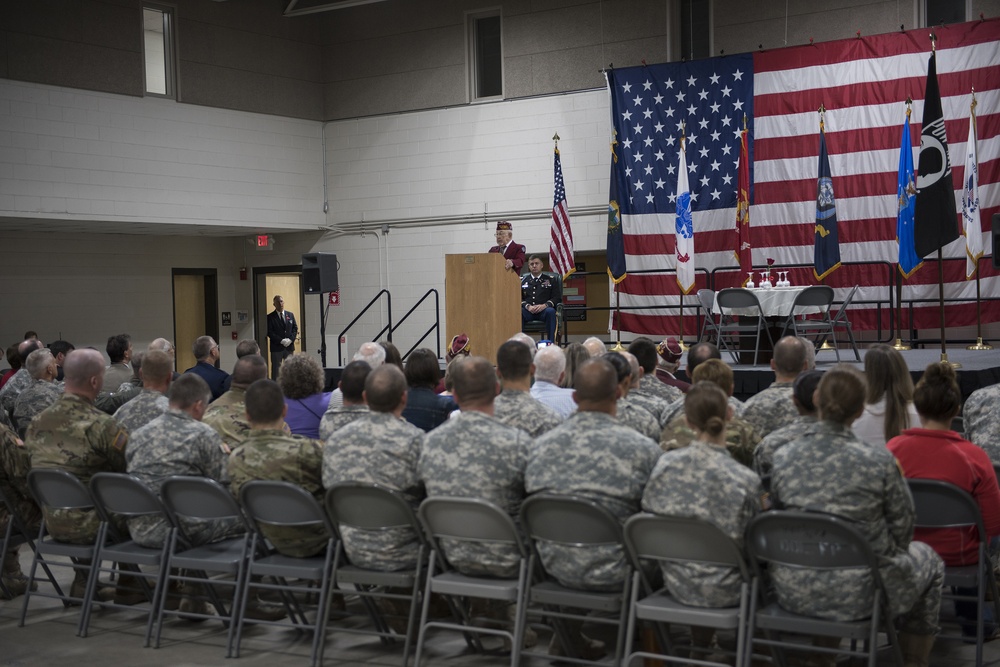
point(803, 390)
point(576, 354)
point(550, 367)
point(595, 346)
point(351, 387)
point(20, 380)
point(425, 409)
point(206, 352)
point(888, 398)
point(772, 408)
point(119, 350)
point(227, 415)
point(697, 354)
point(645, 351)
point(371, 353)
point(156, 372)
point(41, 393)
point(982, 422)
point(301, 379)
point(59, 349)
point(669, 354)
point(14, 466)
point(515, 405)
point(631, 414)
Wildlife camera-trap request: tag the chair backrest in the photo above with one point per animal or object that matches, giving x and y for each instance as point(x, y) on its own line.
point(370, 506)
point(706, 298)
point(569, 520)
point(736, 297)
point(820, 296)
point(943, 505)
point(808, 540)
point(279, 503)
point(468, 520)
point(124, 495)
point(683, 540)
point(841, 315)
point(58, 489)
point(198, 498)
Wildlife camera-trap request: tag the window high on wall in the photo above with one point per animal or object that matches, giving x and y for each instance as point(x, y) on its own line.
point(485, 55)
point(943, 12)
point(696, 29)
point(158, 49)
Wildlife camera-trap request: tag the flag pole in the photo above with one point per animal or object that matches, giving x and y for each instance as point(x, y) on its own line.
point(618, 318)
point(899, 344)
point(822, 122)
point(979, 344)
point(680, 338)
point(944, 352)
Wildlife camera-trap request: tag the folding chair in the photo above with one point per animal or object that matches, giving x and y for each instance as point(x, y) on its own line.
point(201, 498)
point(814, 541)
point(17, 533)
point(842, 321)
point(686, 541)
point(706, 301)
point(472, 520)
point(571, 521)
point(121, 496)
point(816, 296)
point(373, 507)
point(945, 506)
point(56, 489)
point(744, 300)
point(279, 504)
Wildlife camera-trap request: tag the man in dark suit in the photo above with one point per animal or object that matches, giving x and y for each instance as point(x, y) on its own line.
point(281, 334)
point(206, 351)
point(513, 252)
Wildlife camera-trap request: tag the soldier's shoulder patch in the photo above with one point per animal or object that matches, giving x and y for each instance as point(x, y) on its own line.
point(121, 439)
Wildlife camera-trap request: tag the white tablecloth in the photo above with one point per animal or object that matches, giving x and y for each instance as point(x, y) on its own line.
point(774, 302)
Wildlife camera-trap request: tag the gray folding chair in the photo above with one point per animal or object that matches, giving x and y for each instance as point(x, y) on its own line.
point(842, 321)
point(573, 521)
point(56, 489)
point(368, 506)
point(276, 504)
point(18, 532)
point(472, 520)
point(684, 540)
point(815, 541)
point(706, 301)
point(945, 506)
point(118, 496)
point(816, 296)
point(734, 329)
point(203, 499)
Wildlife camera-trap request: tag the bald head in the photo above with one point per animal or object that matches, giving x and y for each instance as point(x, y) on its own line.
point(595, 386)
point(475, 383)
point(385, 389)
point(162, 345)
point(83, 372)
point(28, 346)
point(594, 346)
point(790, 358)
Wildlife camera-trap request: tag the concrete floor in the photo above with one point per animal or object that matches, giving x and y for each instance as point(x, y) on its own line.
point(116, 639)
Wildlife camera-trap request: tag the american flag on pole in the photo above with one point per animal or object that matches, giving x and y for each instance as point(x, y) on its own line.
point(861, 82)
point(561, 246)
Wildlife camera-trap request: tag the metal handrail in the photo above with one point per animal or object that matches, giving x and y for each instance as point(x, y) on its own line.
point(434, 327)
point(340, 336)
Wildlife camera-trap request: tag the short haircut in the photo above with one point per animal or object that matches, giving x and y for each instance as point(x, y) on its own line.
point(28, 346)
point(633, 364)
point(595, 346)
point(700, 353)
point(790, 355)
point(715, 371)
point(118, 346)
point(392, 355)
point(475, 381)
point(246, 347)
point(82, 365)
point(202, 347)
point(63, 347)
point(352, 380)
point(422, 368)
point(705, 407)
point(804, 388)
point(161, 344)
point(187, 390)
point(248, 370)
point(373, 353)
point(526, 340)
point(514, 360)
point(550, 363)
point(265, 401)
point(300, 376)
point(38, 362)
point(157, 366)
point(13, 357)
point(936, 395)
point(645, 352)
point(538, 257)
point(384, 388)
point(841, 394)
point(618, 361)
point(136, 361)
point(596, 381)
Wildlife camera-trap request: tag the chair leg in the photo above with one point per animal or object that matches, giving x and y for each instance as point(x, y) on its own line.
point(854, 344)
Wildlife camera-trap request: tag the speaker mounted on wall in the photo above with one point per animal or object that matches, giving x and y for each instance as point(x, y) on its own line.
point(319, 272)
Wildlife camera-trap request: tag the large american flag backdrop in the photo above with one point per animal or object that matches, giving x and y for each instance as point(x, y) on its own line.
point(863, 83)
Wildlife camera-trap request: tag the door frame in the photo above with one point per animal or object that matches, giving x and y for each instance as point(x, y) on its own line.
point(260, 332)
point(211, 300)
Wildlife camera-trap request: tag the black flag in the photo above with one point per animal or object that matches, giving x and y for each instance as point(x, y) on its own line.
point(936, 218)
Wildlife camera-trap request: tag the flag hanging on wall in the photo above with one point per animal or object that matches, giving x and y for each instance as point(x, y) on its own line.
point(561, 245)
point(906, 196)
point(683, 227)
point(743, 245)
point(826, 250)
point(972, 226)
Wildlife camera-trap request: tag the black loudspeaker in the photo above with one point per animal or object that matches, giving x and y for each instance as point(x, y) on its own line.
point(996, 240)
point(319, 272)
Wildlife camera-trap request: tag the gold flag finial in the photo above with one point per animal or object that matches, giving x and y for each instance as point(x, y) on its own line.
point(555, 137)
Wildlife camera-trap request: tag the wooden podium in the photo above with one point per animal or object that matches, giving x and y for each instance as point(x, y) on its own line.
point(482, 300)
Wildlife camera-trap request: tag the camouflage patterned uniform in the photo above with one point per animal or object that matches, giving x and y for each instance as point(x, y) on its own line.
point(650, 386)
point(771, 409)
point(175, 443)
point(982, 423)
point(14, 466)
point(108, 403)
point(829, 469)
point(654, 405)
point(593, 456)
point(703, 481)
point(476, 456)
point(141, 410)
point(520, 409)
point(335, 419)
point(228, 416)
point(276, 455)
point(741, 438)
point(677, 408)
point(763, 456)
point(638, 419)
point(18, 382)
point(384, 449)
point(74, 435)
point(34, 398)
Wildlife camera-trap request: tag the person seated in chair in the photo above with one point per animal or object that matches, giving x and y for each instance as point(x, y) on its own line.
point(539, 297)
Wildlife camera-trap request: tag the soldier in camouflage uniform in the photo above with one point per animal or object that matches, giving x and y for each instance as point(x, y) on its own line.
point(475, 455)
point(982, 422)
point(21, 379)
point(269, 453)
point(741, 438)
point(383, 448)
point(645, 352)
point(41, 393)
point(157, 371)
point(14, 466)
point(772, 408)
point(177, 443)
point(628, 413)
point(352, 407)
point(864, 485)
point(227, 414)
point(515, 405)
point(802, 396)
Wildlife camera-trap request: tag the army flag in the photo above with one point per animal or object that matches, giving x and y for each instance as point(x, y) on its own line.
point(971, 225)
point(684, 227)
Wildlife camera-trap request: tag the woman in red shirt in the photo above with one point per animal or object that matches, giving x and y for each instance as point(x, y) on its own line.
point(934, 451)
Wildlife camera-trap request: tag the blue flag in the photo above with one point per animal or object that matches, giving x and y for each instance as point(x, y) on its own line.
point(827, 252)
point(906, 198)
point(616, 240)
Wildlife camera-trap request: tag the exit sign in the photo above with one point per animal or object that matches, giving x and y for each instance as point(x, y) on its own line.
point(264, 242)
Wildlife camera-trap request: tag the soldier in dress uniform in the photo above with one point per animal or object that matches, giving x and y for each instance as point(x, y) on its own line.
point(352, 407)
point(156, 373)
point(802, 397)
point(228, 414)
point(539, 297)
point(772, 408)
point(41, 393)
point(515, 405)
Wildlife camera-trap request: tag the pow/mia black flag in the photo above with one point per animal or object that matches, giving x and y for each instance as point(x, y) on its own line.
point(936, 217)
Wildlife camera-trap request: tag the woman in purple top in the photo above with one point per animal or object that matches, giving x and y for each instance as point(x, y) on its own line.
point(301, 380)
